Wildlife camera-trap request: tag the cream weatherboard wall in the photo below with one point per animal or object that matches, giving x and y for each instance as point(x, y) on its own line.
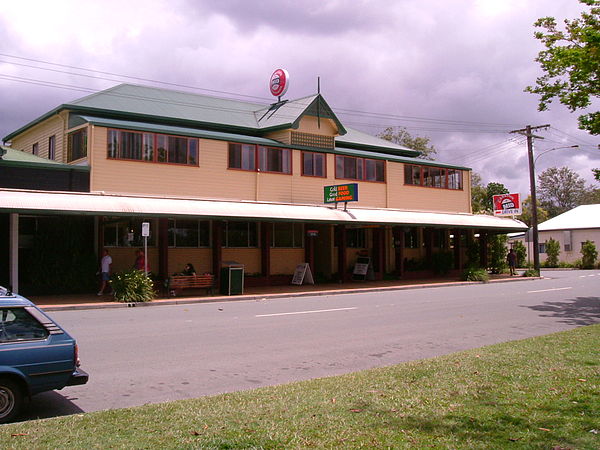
point(578, 237)
point(212, 179)
point(40, 134)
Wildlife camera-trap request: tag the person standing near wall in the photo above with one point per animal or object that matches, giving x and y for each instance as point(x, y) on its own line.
point(511, 258)
point(105, 264)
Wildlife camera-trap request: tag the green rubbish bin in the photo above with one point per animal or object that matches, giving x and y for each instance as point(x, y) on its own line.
point(232, 279)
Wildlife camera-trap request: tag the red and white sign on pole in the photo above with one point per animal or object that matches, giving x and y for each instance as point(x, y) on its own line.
point(507, 205)
point(279, 83)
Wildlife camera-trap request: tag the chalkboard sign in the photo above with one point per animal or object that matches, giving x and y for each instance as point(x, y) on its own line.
point(361, 268)
point(302, 274)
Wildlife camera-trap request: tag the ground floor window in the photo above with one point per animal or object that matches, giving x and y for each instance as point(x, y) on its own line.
point(440, 239)
point(356, 238)
point(241, 234)
point(288, 235)
point(411, 238)
point(189, 233)
point(120, 232)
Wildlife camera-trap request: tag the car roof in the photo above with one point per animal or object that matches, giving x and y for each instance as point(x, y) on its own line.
point(8, 298)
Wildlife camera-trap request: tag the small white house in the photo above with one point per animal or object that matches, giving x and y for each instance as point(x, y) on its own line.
point(570, 229)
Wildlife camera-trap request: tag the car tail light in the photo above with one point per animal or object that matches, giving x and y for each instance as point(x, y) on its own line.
point(77, 362)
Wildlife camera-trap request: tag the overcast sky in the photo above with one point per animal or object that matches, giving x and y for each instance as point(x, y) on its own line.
point(453, 71)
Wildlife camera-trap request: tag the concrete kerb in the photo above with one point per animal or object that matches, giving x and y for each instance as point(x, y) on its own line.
point(257, 297)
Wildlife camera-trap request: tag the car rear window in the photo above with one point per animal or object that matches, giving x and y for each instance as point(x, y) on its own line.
point(16, 324)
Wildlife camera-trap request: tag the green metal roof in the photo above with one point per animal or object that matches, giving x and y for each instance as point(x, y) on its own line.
point(359, 140)
point(287, 114)
point(17, 158)
point(164, 110)
point(395, 158)
point(75, 120)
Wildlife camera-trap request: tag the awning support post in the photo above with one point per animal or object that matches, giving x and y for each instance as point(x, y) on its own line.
point(14, 252)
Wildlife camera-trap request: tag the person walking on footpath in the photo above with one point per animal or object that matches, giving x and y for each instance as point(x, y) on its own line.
point(105, 264)
point(511, 258)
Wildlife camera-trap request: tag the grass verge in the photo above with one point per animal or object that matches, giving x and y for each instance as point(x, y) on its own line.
point(535, 393)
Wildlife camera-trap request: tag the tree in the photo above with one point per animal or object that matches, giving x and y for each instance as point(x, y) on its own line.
point(560, 189)
point(401, 136)
point(521, 252)
point(571, 62)
point(482, 201)
point(494, 189)
point(589, 253)
point(596, 174)
point(552, 252)
point(542, 214)
point(478, 193)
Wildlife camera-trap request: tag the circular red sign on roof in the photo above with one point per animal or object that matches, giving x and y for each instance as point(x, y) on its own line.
point(279, 82)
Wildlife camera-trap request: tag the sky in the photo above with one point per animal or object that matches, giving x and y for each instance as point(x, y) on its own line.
point(451, 71)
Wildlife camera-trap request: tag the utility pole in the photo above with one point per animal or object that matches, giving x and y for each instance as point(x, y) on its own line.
point(527, 131)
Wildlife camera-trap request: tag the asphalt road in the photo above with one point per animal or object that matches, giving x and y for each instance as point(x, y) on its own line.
point(155, 354)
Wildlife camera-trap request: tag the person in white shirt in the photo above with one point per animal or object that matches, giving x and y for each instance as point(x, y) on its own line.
point(105, 264)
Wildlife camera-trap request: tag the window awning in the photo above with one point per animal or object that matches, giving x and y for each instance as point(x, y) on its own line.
point(103, 204)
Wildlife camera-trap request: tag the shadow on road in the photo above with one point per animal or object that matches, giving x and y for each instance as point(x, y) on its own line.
point(579, 311)
point(49, 404)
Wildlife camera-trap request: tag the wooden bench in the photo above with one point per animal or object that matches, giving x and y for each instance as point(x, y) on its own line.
point(179, 282)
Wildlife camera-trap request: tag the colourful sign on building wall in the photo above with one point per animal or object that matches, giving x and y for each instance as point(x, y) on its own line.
point(341, 193)
point(507, 205)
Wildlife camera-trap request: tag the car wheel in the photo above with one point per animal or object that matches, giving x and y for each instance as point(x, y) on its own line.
point(11, 400)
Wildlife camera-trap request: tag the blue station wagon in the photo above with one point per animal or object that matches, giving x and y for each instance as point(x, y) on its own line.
point(36, 354)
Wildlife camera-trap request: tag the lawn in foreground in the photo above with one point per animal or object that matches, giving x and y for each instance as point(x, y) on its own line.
point(537, 393)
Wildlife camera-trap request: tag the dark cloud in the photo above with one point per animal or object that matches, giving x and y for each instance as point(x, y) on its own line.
point(312, 17)
point(465, 61)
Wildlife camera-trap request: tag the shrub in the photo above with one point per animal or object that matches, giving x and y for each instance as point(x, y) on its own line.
point(498, 253)
point(531, 273)
point(521, 252)
point(475, 274)
point(565, 265)
point(132, 286)
point(442, 262)
point(589, 253)
point(552, 252)
point(472, 253)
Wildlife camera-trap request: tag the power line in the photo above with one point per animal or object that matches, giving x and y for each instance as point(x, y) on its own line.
point(341, 111)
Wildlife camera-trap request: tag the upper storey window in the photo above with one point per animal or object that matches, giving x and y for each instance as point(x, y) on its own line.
point(265, 159)
point(77, 145)
point(351, 168)
point(313, 164)
point(153, 147)
point(430, 176)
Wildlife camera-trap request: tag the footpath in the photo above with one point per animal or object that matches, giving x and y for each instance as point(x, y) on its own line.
point(92, 301)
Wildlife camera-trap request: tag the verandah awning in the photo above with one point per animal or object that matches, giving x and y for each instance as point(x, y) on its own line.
point(46, 202)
